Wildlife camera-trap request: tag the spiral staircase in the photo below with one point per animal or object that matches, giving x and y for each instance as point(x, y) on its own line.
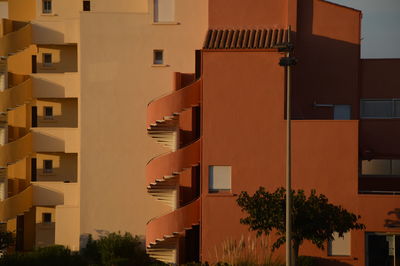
point(173, 178)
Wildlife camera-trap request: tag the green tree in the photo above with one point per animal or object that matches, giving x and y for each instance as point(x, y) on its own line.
point(313, 217)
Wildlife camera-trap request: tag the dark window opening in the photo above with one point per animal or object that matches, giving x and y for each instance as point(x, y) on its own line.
point(48, 112)
point(33, 170)
point(86, 5)
point(47, 166)
point(46, 7)
point(46, 217)
point(47, 59)
point(158, 57)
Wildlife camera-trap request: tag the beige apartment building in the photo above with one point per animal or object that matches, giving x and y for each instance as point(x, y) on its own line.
point(75, 80)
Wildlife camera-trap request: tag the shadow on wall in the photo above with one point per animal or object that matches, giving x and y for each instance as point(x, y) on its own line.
point(46, 143)
point(327, 71)
point(57, 91)
point(393, 223)
point(48, 196)
point(52, 36)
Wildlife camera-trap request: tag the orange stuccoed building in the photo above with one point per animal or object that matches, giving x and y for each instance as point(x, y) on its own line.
point(225, 126)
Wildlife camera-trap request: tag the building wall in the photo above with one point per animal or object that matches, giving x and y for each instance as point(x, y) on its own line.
point(22, 10)
point(322, 76)
point(118, 81)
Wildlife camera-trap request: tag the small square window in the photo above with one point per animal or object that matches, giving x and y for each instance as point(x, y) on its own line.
point(46, 217)
point(47, 59)
point(219, 178)
point(340, 246)
point(86, 5)
point(48, 112)
point(158, 57)
point(46, 7)
point(47, 166)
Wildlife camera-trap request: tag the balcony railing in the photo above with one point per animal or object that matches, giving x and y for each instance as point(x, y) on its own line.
point(16, 205)
point(16, 150)
point(16, 41)
point(15, 96)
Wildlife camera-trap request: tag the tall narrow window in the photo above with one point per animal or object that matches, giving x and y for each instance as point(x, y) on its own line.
point(48, 112)
point(219, 178)
point(47, 60)
point(46, 7)
point(86, 5)
point(164, 10)
point(47, 166)
point(158, 57)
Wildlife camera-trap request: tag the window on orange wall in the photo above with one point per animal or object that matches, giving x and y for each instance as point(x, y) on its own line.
point(47, 7)
point(158, 57)
point(46, 217)
point(47, 166)
point(48, 112)
point(220, 178)
point(164, 11)
point(340, 246)
point(47, 59)
point(86, 5)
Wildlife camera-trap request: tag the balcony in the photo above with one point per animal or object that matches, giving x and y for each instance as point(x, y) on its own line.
point(163, 233)
point(56, 85)
point(39, 194)
point(16, 150)
point(16, 205)
point(16, 37)
point(52, 139)
point(16, 95)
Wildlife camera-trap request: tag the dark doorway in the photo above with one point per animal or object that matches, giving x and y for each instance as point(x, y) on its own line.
point(33, 170)
point(34, 64)
point(383, 250)
point(34, 116)
point(19, 242)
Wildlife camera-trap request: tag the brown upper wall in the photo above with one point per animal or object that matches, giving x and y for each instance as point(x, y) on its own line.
point(248, 13)
point(328, 50)
point(23, 10)
point(380, 78)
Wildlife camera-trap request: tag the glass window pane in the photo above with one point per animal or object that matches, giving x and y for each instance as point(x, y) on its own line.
point(164, 10)
point(396, 108)
point(376, 167)
point(220, 178)
point(340, 246)
point(396, 167)
point(376, 109)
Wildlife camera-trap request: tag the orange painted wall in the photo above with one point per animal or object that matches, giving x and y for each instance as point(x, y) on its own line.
point(247, 14)
point(327, 47)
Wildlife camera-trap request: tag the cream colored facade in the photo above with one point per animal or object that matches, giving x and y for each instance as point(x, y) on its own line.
point(118, 80)
point(74, 86)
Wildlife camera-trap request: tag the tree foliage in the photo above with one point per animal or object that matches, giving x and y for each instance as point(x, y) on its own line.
point(313, 217)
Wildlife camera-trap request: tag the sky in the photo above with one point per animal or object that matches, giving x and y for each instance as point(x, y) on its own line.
point(380, 28)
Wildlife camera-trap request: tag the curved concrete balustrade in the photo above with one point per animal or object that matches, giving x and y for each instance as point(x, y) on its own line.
point(173, 103)
point(15, 96)
point(168, 164)
point(16, 205)
point(16, 150)
point(16, 41)
point(176, 221)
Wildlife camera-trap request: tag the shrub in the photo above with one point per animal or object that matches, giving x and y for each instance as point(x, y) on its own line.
point(49, 256)
point(117, 249)
point(306, 261)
